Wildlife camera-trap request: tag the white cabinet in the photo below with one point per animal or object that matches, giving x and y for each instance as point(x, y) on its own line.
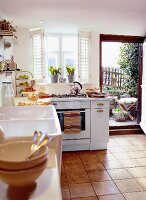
point(99, 124)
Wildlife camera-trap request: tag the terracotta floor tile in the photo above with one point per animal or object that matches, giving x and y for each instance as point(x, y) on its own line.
point(88, 158)
point(142, 182)
point(137, 172)
point(113, 144)
point(139, 154)
point(90, 166)
point(81, 190)
point(123, 142)
point(112, 197)
point(114, 173)
point(133, 148)
point(105, 187)
point(62, 168)
point(73, 158)
point(63, 180)
point(106, 157)
point(128, 185)
point(137, 143)
point(73, 167)
point(86, 198)
point(119, 174)
point(78, 177)
point(110, 164)
point(142, 161)
point(70, 153)
point(98, 175)
point(65, 193)
point(135, 196)
point(87, 153)
point(102, 152)
point(116, 149)
point(121, 156)
point(130, 163)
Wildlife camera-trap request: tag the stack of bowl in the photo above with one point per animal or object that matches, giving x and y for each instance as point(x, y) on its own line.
point(15, 168)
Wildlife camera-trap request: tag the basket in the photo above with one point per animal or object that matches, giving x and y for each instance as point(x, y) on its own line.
point(121, 116)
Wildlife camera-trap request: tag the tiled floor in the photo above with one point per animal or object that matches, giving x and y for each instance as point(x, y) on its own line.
point(115, 174)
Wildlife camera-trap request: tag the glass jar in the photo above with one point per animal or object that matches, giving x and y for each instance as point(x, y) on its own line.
point(7, 94)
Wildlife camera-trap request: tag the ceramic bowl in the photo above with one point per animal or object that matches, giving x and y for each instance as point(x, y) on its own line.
point(21, 178)
point(13, 155)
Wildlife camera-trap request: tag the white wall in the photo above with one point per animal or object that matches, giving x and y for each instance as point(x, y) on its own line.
point(22, 50)
point(23, 55)
point(94, 61)
point(9, 51)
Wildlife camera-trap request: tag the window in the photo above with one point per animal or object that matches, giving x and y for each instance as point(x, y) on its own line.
point(60, 50)
point(38, 58)
point(84, 48)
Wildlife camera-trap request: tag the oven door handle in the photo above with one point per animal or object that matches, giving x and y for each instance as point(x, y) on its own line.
point(70, 111)
point(54, 104)
point(60, 112)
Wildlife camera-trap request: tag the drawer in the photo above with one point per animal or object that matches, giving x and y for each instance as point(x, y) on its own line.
point(99, 104)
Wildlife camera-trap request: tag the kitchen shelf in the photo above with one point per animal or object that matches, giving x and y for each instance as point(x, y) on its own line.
point(22, 79)
point(6, 33)
point(19, 88)
point(22, 86)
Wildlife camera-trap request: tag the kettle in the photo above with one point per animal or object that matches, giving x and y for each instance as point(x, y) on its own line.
point(75, 89)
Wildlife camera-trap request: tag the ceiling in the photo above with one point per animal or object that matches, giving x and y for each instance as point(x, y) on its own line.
point(125, 17)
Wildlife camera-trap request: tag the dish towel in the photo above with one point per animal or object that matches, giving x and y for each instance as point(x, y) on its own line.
point(72, 122)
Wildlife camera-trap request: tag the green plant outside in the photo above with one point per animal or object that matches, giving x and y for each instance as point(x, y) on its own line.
point(128, 60)
point(70, 70)
point(114, 91)
point(117, 110)
point(54, 70)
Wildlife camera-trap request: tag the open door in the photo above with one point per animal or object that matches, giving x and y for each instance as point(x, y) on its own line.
point(143, 88)
point(128, 39)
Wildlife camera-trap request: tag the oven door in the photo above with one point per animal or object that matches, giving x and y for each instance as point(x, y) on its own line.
point(85, 124)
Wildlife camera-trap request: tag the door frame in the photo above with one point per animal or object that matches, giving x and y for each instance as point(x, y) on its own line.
point(126, 39)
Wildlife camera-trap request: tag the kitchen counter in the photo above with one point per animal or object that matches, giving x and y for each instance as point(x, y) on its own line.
point(25, 99)
point(94, 127)
point(46, 187)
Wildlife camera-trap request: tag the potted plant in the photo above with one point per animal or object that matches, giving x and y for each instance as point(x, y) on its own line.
point(70, 71)
point(54, 73)
point(119, 114)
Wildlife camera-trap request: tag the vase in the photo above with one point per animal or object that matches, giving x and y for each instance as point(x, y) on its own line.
point(70, 78)
point(54, 78)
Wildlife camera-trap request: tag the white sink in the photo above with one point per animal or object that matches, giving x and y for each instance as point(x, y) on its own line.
point(23, 121)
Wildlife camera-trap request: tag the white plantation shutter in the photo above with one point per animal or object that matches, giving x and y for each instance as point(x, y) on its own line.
point(38, 54)
point(84, 47)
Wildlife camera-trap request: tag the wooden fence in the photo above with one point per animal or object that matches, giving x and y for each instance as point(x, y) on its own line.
point(113, 77)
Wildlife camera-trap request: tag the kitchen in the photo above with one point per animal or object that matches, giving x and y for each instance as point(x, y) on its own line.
point(106, 24)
